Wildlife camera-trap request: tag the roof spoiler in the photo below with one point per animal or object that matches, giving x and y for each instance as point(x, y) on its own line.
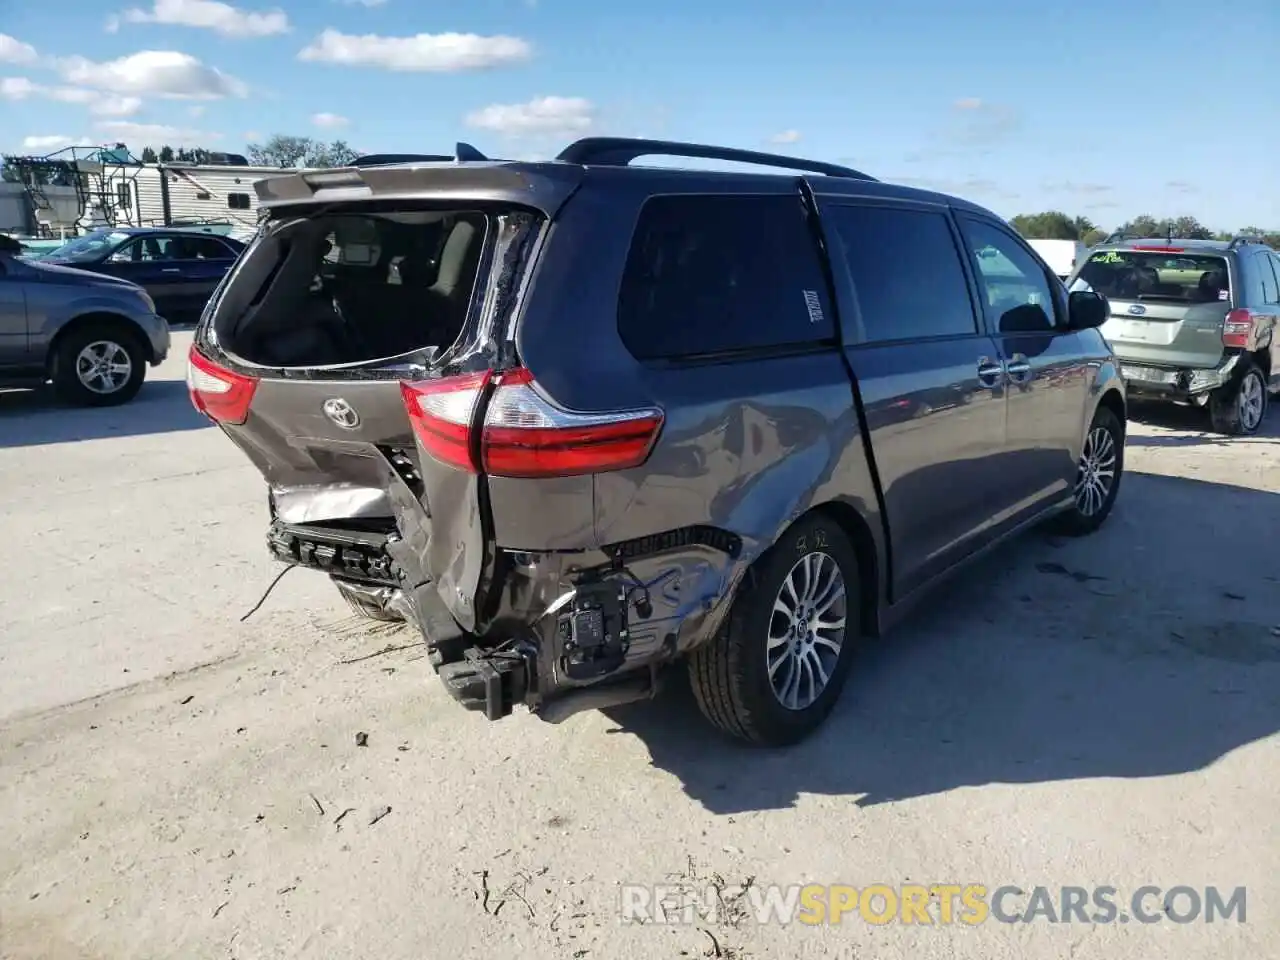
point(461, 152)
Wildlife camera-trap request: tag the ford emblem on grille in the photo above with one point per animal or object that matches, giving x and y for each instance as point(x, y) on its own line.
point(341, 413)
point(1137, 309)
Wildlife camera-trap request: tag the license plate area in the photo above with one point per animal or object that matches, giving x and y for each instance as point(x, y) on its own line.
point(1153, 375)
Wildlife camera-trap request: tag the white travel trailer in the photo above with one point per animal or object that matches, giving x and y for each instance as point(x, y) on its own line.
point(168, 194)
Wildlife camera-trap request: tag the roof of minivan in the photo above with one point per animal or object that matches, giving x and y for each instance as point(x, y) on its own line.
point(283, 189)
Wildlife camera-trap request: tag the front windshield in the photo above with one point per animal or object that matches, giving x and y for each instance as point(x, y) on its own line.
point(89, 247)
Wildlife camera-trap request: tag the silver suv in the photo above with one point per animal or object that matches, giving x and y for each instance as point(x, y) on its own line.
point(1193, 321)
point(92, 335)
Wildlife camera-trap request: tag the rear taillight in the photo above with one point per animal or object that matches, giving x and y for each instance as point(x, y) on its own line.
point(1238, 328)
point(217, 392)
point(524, 434)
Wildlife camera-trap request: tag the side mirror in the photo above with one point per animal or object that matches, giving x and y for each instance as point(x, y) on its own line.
point(1087, 310)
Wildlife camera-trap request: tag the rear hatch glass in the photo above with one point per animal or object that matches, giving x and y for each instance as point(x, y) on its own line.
point(1167, 306)
point(1156, 277)
point(350, 287)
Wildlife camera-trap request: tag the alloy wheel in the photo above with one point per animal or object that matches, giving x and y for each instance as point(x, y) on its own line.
point(806, 630)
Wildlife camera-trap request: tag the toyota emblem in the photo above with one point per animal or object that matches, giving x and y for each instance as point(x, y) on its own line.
point(341, 413)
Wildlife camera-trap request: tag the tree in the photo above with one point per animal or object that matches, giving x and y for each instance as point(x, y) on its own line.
point(1189, 228)
point(1143, 226)
point(166, 154)
point(1050, 225)
point(148, 155)
point(1179, 228)
point(280, 151)
point(286, 151)
point(1094, 237)
point(336, 154)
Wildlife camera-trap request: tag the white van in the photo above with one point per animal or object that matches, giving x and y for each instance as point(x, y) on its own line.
point(1062, 256)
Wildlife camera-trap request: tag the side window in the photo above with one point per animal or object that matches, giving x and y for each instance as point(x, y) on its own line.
point(127, 253)
point(206, 248)
point(237, 201)
point(710, 274)
point(1265, 267)
point(1015, 287)
point(906, 272)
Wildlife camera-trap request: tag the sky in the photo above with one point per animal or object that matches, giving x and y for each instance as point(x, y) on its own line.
point(1102, 109)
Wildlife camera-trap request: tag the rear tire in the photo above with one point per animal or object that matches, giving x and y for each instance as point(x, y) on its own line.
point(794, 619)
point(99, 364)
point(1098, 476)
point(365, 606)
point(1239, 408)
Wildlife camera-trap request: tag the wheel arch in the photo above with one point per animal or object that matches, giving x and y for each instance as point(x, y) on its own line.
point(104, 318)
point(1111, 399)
point(856, 527)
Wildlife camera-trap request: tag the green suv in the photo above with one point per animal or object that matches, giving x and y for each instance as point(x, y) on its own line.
point(1192, 321)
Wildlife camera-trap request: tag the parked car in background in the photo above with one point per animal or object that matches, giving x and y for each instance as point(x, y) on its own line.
point(91, 335)
point(178, 268)
point(1193, 321)
point(578, 420)
point(1062, 256)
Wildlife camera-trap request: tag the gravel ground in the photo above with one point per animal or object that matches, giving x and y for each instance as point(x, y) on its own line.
point(175, 782)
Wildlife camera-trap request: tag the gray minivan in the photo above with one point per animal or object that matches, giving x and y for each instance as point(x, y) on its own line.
point(582, 420)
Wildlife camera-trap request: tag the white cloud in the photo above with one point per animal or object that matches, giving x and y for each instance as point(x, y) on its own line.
point(154, 73)
point(99, 103)
point(329, 120)
point(115, 106)
point(15, 51)
point(112, 25)
point(424, 52)
point(17, 88)
point(212, 15)
point(968, 103)
point(157, 133)
point(786, 136)
point(542, 115)
point(47, 142)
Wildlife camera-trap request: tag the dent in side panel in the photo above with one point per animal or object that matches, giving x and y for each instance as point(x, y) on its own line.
point(735, 458)
point(542, 514)
point(443, 535)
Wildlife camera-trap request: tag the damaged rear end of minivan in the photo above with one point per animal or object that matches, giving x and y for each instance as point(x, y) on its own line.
point(362, 354)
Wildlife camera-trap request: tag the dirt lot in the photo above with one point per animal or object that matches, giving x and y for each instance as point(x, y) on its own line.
point(177, 783)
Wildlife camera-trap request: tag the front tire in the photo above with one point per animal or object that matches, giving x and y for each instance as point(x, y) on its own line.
point(99, 365)
point(1239, 408)
point(773, 672)
point(1098, 476)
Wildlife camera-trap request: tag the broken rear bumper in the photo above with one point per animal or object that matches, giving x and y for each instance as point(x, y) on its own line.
point(1176, 383)
point(353, 553)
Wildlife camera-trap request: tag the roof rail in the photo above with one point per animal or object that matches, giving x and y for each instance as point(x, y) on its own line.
point(461, 152)
point(1241, 239)
point(620, 151)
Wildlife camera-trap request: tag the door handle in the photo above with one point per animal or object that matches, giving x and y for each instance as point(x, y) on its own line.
point(170, 270)
point(990, 372)
point(1019, 368)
